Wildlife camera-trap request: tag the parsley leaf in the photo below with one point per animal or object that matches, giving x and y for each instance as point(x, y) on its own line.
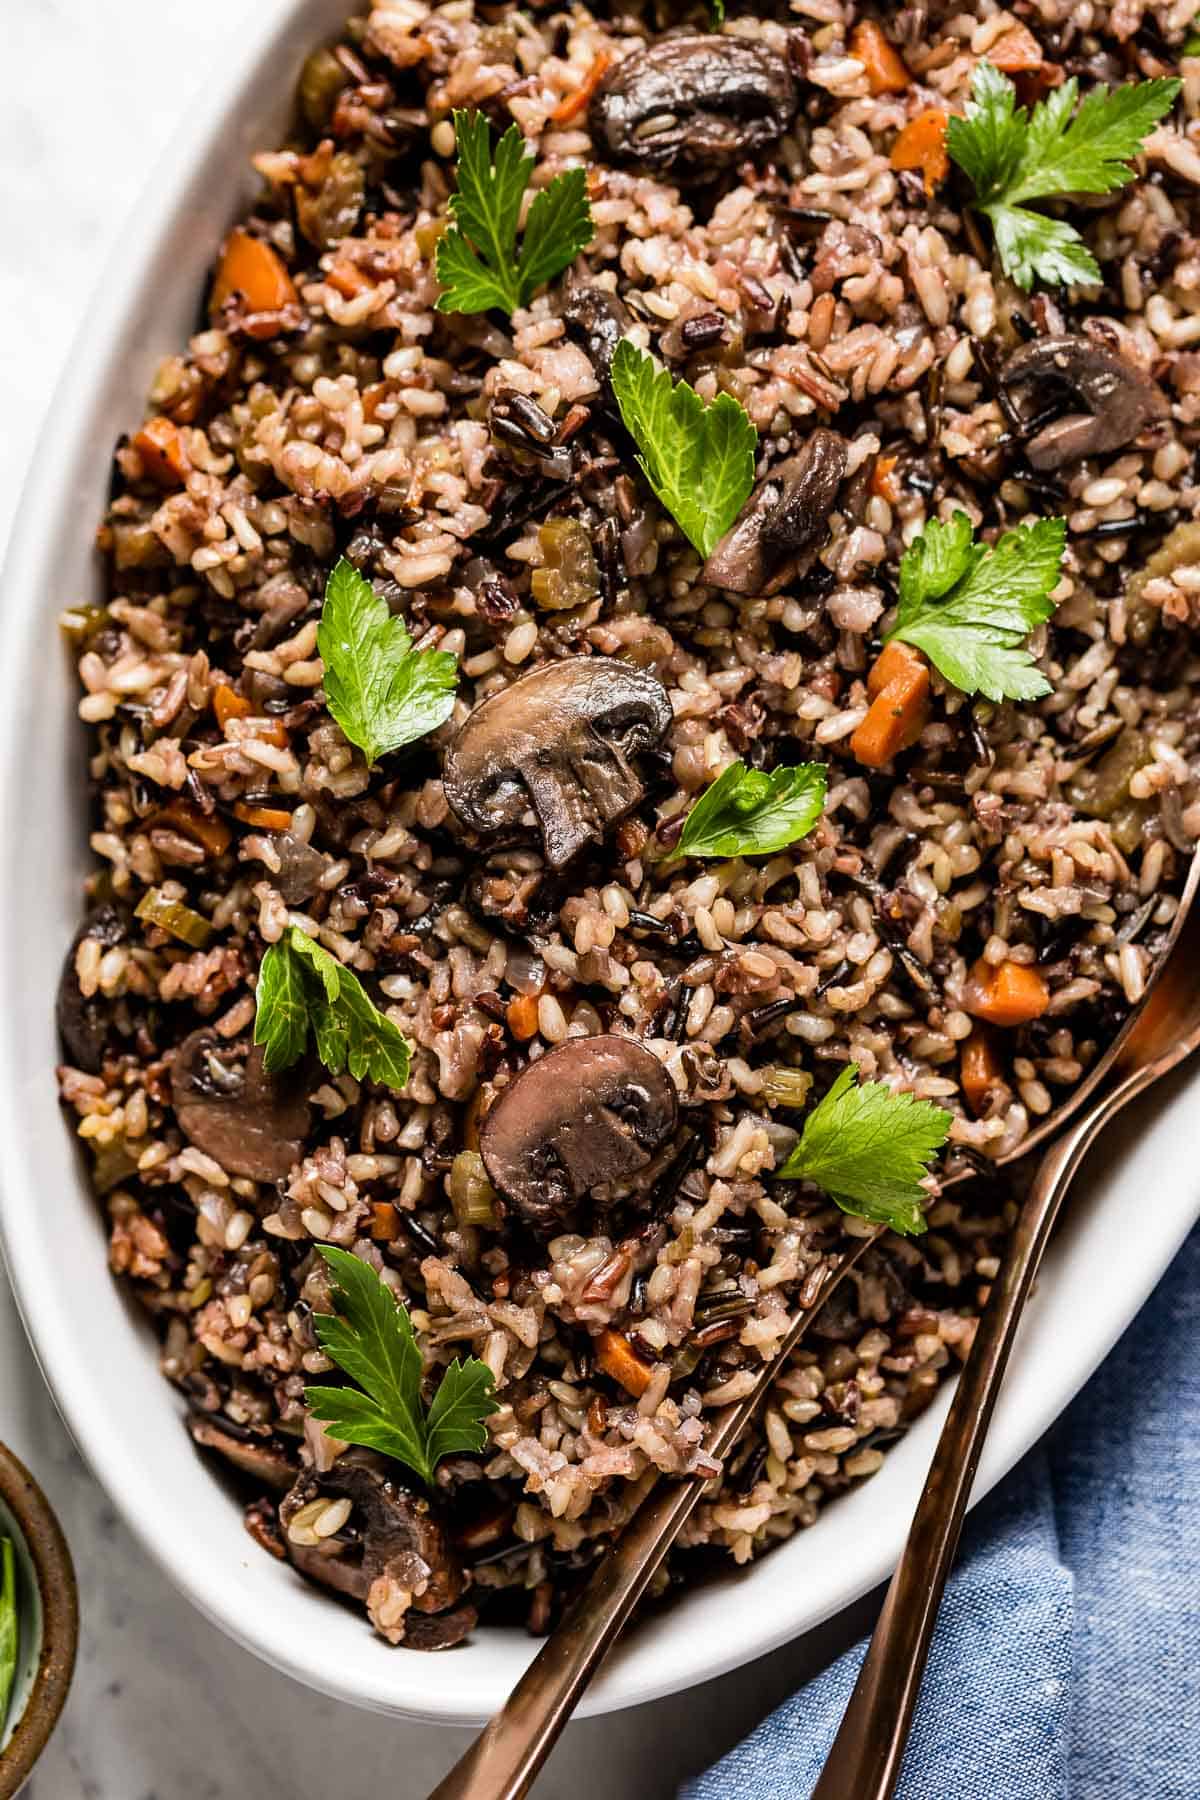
point(698, 459)
point(381, 691)
point(970, 608)
point(1013, 157)
point(370, 1337)
point(9, 1626)
point(301, 986)
point(869, 1148)
point(747, 812)
point(478, 263)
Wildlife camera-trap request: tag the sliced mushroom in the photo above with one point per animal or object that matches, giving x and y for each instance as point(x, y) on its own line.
point(559, 739)
point(786, 513)
point(396, 1533)
point(263, 1458)
point(1118, 400)
point(593, 1110)
point(441, 1631)
point(599, 320)
point(83, 1023)
point(693, 105)
point(250, 1122)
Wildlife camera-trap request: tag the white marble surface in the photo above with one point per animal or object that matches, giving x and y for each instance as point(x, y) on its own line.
point(163, 1708)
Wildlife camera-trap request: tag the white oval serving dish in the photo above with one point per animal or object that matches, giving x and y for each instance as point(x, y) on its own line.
point(98, 1357)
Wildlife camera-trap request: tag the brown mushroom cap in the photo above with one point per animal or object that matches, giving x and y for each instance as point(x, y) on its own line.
point(256, 1454)
point(250, 1122)
point(399, 1534)
point(83, 1024)
point(594, 1109)
point(559, 739)
point(693, 104)
point(1118, 399)
point(788, 510)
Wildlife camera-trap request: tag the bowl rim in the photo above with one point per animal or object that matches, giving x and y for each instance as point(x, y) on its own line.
point(58, 1593)
point(261, 43)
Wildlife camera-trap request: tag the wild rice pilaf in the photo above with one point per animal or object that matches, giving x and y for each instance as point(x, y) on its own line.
point(443, 454)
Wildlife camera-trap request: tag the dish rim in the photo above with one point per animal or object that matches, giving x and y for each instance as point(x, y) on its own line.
point(637, 1672)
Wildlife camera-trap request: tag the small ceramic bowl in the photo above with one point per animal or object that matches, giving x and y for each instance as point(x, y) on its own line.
point(49, 1611)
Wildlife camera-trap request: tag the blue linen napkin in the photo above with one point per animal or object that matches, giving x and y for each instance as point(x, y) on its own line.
point(1066, 1664)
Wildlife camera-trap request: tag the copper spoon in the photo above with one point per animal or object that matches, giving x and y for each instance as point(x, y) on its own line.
point(505, 1758)
point(864, 1762)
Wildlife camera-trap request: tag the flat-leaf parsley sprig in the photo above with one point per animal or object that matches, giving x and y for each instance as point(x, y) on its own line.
point(301, 987)
point(869, 1148)
point(370, 1338)
point(1013, 157)
point(478, 262)
point(971, 608)
point(381, 691)
point(698, 459)
point(749, 812)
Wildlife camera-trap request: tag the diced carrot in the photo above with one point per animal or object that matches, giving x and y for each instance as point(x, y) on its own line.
point(922, 145)
point(899, 711)
point(1007, 993)
point(160, 445)
point(980, 1069)
point(266, 818)
point(1015, 51)
point(574, 104)
point(348, 279)
point(886, 74)
point(251, 268)
point(618, 1358)
point(385, 1222)
point(267, 731)
point(210, 832)
point(883, 479)
point(228, 705)
point(522, 1016)
point(895, 662)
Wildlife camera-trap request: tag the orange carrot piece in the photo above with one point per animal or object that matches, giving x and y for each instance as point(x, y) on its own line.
point(164, 458)
point(348, 279)
point(522, 1016)
point(228, 705)
point(981, 1072)
point(895, 662)
point(1015, 51)
point(899, 711)
point(266, 818)
point(1006, 994)
point(574, 104)
point(267, 731)
point(922, 145)
point(251, 268)
point(617, 1357)
point(883, 479)
point(210, 832)
point(385, 1222)
point(886, 74)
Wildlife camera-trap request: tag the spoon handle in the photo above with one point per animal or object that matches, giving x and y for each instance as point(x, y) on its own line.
point(864, 1761)
point(505, 1758)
